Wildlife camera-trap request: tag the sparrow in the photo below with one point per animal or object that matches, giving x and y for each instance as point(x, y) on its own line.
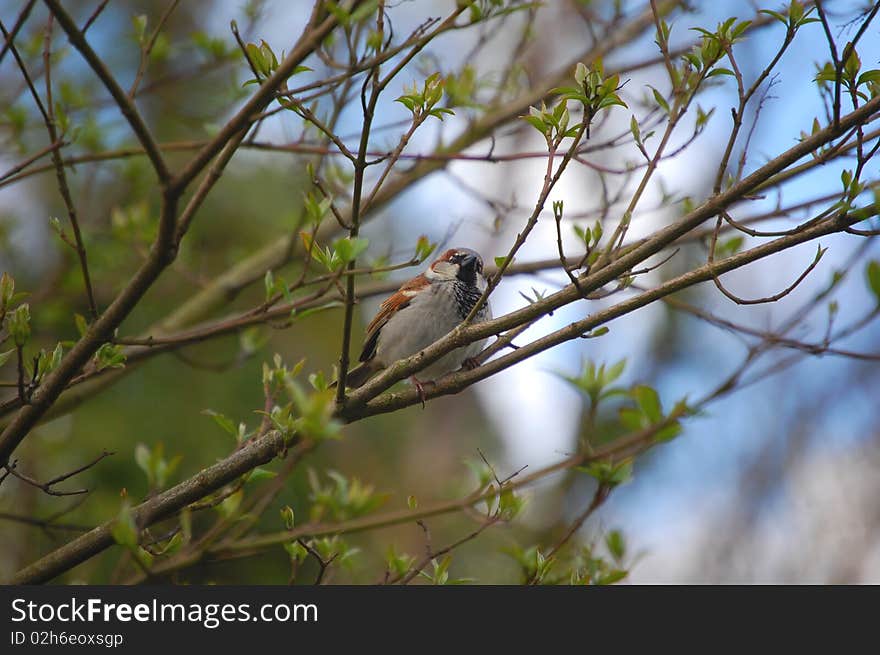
point(423, 310)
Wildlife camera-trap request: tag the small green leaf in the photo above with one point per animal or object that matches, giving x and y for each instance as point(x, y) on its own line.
point(287, 516)
point(140, 28)
point(509, 504)
point(580, 73)
point(658, 97)
point(7, 290)
point(873, 274)
point(18, 323)
point(110, 355)
point(424, 248)
point(536, 122)
point(616, 545)
point(143, 458)
point(612, 576)
point(81, 325)
point(124, 530)
point(634, 129)
point(230, 505)
point(614, 372)
point(269, 285)
point(649, 402)
point(296, 551)
point(348, 249)
point(775, 14)
point(225, 423)
point(260, 474)
point(598, 332)
point(729, 247)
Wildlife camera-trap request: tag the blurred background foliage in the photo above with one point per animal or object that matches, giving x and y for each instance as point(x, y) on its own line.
point(778, 483)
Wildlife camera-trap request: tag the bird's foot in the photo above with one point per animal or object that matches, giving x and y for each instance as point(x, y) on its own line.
point(470, 364)
point(420, 388)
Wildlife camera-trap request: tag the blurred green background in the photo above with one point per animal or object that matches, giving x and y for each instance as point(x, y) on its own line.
point(731, 500)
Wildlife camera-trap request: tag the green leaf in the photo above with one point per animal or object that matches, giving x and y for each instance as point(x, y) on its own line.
point(256, 58)
point(144, 459)
point(614, 372)
point(631, 418)
point(599, 332)
point(287, 516)
point(729, 247)
point(658, 97)
point(124, 530)
point(269, 59)
point(398, 563)
point(424, 248)
point(140, 28)
point(869, 76)
point(225, 423)
point(608, 473)
point(649, 402)
point(348, 249)
point(775, 14)
point(260, 474)
point(4, 357)
point(873, 274)
point(668, 433)
point(536, 122)
point(616, 545)
point(110, 355)
point(509, 504)
point(613, 99)
point(318, 381)
point(721, 71)
point(302, 313)
point(7, 290)
point(500, 261)
point(611, 577)
point(54, 361)
point(173, 545)
point(81, 325)
point(634, 129)
point(18, 323)
point(741, 27)
point(230, 505)
point(580, 73)
point(269, 285)
point(439, 112)
point(408, 101)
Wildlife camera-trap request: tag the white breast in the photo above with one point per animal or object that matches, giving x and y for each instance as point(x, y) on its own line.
point(429, 316)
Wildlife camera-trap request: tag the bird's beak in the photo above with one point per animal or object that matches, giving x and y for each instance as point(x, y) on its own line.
point(467, 269)
point(469, 263)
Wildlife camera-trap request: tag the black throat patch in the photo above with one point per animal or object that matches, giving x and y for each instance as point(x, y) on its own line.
point(466, 296)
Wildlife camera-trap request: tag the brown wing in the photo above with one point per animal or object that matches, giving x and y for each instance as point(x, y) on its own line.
point(394, 303)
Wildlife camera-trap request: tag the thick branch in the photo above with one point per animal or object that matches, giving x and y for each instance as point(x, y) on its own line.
point(167, 503)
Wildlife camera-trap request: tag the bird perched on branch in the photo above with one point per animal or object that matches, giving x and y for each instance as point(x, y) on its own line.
point(423, 310)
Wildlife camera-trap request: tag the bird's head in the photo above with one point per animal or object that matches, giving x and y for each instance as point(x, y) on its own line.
point(456, 263)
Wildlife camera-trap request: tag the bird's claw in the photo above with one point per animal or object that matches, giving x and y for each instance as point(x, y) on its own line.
point(420, 388)
point(470, 363)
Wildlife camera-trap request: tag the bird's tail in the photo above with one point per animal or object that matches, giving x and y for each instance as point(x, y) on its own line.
point(359, 375)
